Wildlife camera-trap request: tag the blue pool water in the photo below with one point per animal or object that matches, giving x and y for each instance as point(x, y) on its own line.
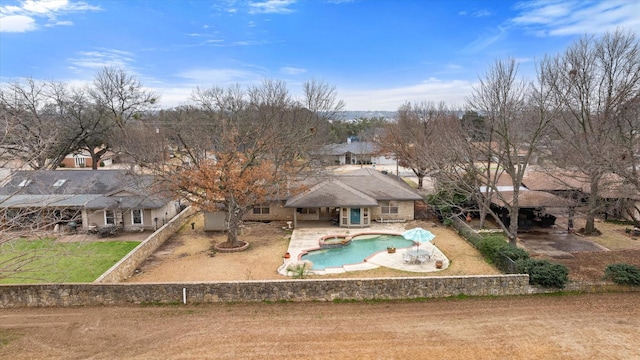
point(360, 248)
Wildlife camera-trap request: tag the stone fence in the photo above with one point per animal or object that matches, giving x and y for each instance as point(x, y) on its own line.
point(275, 290)
point(127, 265)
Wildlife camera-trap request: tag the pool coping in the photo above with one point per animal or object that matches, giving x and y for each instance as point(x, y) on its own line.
point(304, 240)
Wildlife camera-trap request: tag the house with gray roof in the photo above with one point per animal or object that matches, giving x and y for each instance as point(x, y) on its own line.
point(89, 198)
point(352, 199)
point(354, 153)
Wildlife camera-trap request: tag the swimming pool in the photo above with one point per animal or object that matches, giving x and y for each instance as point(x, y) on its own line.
point(362, 247)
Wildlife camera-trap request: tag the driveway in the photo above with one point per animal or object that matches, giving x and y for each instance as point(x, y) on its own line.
point(556, 244)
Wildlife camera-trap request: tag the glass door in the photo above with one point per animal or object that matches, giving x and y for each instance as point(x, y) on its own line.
point(355, 216)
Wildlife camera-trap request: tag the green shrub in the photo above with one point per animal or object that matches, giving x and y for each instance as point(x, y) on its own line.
point(498, 251)
point(507, 258)
point(490, 245)
point(543, 272)
point(624, 274)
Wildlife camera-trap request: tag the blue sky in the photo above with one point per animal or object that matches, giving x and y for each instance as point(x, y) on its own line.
point(378, 54)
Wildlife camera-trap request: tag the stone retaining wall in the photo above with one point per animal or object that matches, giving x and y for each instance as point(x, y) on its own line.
point(127, 265)
point(275, 290)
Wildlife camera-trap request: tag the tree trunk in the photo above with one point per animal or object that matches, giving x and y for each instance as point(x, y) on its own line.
point(95, 159)
point(234, 219)
point(513, 227)
point(590, 224)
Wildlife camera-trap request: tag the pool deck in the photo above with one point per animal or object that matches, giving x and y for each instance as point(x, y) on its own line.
point(305, 238)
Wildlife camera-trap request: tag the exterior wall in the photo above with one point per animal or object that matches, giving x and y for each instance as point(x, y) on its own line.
point(277, 212)
point(128, 222)
point(164, 214)
point(215, 221)
point(69, 162)
point(305, 217)
point(274, 290)
point(405, 212)
point(94, 217)
point(383, 160)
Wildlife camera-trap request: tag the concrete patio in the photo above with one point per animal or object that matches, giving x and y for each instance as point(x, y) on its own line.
point(306, 236)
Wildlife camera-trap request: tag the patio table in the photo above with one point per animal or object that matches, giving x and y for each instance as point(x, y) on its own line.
point(415, 253)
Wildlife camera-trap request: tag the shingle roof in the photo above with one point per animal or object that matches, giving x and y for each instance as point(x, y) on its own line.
point(531, 199)
point(362, 187)
point(538, 180)
point(356, 147)
point(92, 189)
point(75, 182)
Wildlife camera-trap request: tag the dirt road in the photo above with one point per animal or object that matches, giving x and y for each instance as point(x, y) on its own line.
point(592, 326)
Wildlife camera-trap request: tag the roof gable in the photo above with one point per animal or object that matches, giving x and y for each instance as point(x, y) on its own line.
point(362, 187)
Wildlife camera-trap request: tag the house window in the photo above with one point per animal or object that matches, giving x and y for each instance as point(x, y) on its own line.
point(80, 161)
point(261, 210)
point(59, 183)
point(389, 207)
point(136, 216)
point(306, 211)
point(24, 183)
point(109, 217)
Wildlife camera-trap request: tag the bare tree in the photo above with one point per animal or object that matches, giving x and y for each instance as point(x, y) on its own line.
point(236, 148)
point(592, 82)
point(118, 98)
point(476, 162)
point(410, 138)
point(31, 122)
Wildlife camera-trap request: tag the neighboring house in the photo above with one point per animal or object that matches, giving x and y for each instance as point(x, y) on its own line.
point(353, 153)
point(84, 160)
point(537, 205)
point(619, 199)
point(91, 199)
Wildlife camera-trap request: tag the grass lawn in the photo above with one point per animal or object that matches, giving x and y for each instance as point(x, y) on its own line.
point(46, 261)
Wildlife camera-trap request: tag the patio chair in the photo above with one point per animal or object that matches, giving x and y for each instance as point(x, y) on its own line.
point(431, 253)
point(407, 258)
point(422, 259)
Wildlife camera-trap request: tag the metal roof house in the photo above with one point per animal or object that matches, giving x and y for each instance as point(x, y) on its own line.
point(90, 198)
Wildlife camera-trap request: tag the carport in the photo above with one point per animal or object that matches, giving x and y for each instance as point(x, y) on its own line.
point(537, 208)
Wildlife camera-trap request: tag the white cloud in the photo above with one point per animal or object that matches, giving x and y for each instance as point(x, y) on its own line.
point(100, 58)
point(17, 23)
point(485, 40)
point(292, 70)
point(560, 18)
point(481, 13)
point(44, 7)
point(220, 77)
point(477, 13)
point(452, 92)
point(60, 23)
point(271, 7)
point(25, 17)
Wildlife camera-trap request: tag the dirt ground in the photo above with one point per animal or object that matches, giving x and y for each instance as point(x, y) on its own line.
point(616, 246)
point(187, 256)
point(570, 326)
point(590, 326)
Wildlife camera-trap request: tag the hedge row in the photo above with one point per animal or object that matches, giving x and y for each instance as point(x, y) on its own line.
point(512, 259)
